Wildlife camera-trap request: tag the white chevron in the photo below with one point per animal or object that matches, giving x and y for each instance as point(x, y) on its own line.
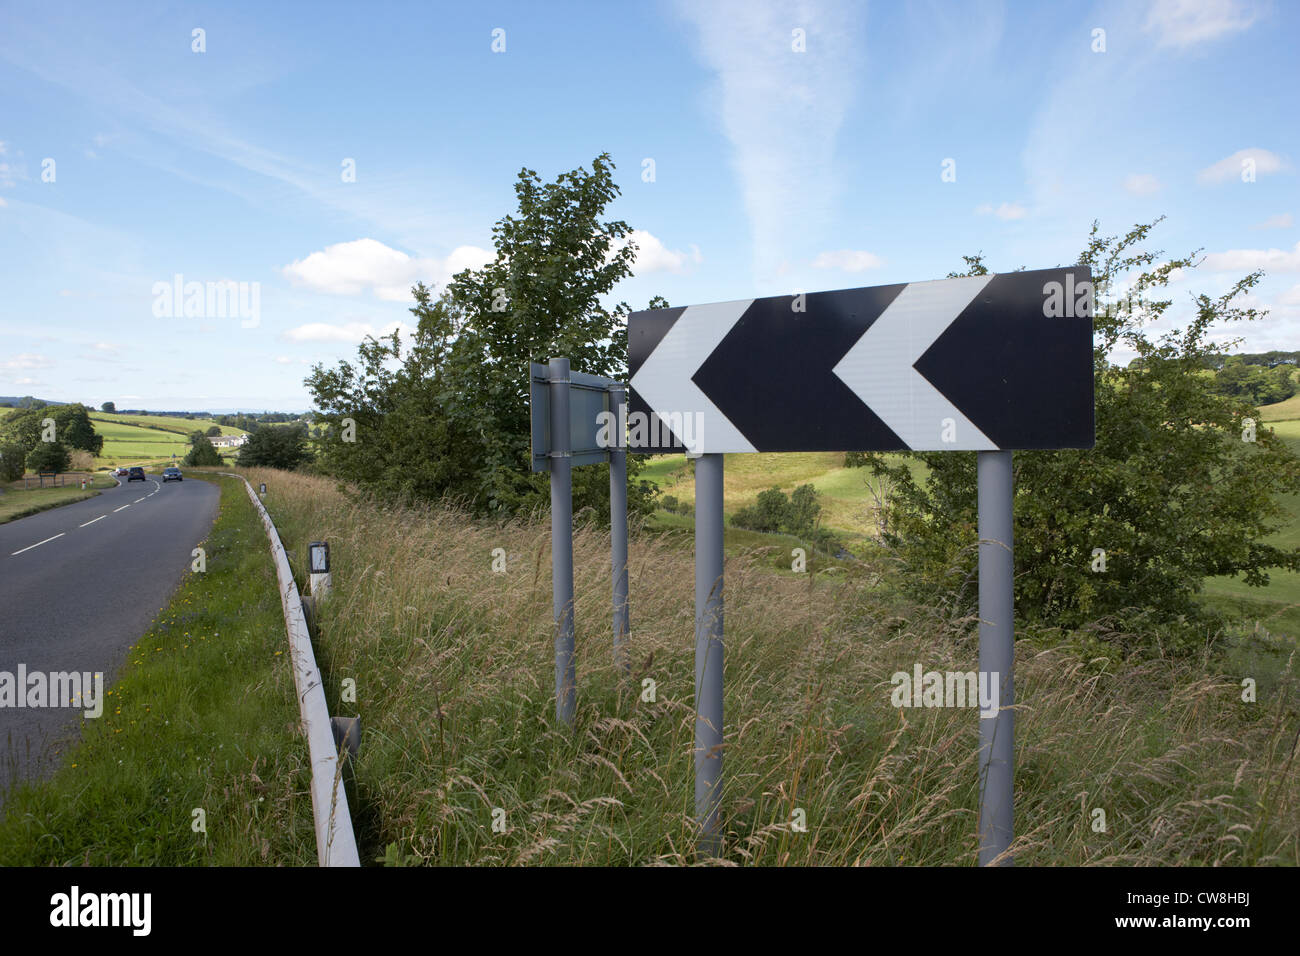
point(879, 367)
point(664, 380)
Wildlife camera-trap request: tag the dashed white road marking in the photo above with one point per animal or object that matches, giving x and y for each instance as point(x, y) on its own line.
point(36, 545)
point(116, 510)
point(138, 500)
point(93, 520)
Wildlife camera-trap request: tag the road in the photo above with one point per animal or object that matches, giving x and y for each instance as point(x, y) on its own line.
point(79, 585)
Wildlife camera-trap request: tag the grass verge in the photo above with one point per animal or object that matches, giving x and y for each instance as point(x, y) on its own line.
point(18, 502)
point(203, 716)
point(462, 763)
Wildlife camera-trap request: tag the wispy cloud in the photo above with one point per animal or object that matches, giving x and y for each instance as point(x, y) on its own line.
point(1141, 184)
point(1248, 260)
point(1231, 167)
point(1186, 23)
point(848, 260)
point(346, 333)
point(780, 109)
point(1005, 211)
point(1280, 221)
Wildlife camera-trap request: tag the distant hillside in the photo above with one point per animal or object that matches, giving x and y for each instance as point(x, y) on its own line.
point(25, 401)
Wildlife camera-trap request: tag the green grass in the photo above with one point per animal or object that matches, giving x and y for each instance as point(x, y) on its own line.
point(1281, 411)
point(17, 502)
point(1276, 606)
point(203, 715)
point(181, 426)
point(847, 505)
point(454, 669)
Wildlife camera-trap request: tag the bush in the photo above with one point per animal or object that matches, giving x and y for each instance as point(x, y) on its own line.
point(669, 503)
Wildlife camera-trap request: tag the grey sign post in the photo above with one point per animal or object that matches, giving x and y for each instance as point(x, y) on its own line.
point(562, 540)
point(997, 652)
point(708, 649)
point(578, 419)
point(618, 524)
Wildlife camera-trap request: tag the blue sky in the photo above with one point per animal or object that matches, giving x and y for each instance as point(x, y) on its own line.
point(774, 169)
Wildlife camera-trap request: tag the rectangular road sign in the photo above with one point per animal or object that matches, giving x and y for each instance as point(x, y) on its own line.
point(588, 398)
point(979, 363)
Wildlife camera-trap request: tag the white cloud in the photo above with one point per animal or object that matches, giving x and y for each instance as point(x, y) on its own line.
point(106, 347)
point(348, 333)
point(2, 202)
point(781, 110)
point(289, 360)
point(1142, 184)
point(27, 381)
point(29, 360)
point(1230, 167)
point(652, 255)
point(350, 268)
point(1006, 211)
point(3, 149)
point(1280, 221)
point(1290, 297)
point(1185, 23)
point(7, 174)
point(848, 260)
point(1248, 260)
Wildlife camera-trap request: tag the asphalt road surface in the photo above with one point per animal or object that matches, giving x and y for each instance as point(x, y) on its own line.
point(79, 585)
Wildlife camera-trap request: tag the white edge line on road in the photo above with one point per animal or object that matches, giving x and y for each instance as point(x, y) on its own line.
point(93, 520)
point(37, 544)
point(116, 510)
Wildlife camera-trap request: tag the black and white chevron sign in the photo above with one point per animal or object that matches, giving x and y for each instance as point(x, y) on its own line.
point(980, 363)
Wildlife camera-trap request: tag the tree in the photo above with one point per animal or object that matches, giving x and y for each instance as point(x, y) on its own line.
point(108, 407)
point(13, 461)
point(1128, 530)
point(448, 414)
point(49, 456)
point(275, 446)
point(72, 427)
point(203, 453)
point(214, 431)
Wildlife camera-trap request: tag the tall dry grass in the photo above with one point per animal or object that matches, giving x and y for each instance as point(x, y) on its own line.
point(454, 671)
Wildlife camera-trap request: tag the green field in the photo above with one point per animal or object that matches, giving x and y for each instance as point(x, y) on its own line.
point(128, 444)
point(182, 426)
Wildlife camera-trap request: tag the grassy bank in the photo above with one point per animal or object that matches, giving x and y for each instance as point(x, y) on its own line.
point(453, 665)
point(203, 715)
point(19, 502)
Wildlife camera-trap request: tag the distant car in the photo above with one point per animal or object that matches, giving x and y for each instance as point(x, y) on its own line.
point(122, 472)
point(136, 474)
point(172, 473)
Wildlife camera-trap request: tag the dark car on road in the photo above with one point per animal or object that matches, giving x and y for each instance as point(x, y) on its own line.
point(137, 474)
point(170, 474)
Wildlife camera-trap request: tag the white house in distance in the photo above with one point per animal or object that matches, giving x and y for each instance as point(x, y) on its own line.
point(228, 441)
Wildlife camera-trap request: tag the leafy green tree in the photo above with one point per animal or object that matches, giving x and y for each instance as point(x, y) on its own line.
point(214, 431)
point(196, 436)
point(72, 427)
point(203, 453)
point(49, 456)
point(275, 446)
point(448, 413)
point(13, 461)
point(1171, 493)
point(108, 407)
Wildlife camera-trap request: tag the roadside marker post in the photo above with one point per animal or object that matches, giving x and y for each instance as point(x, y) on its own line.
point(984, 363)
